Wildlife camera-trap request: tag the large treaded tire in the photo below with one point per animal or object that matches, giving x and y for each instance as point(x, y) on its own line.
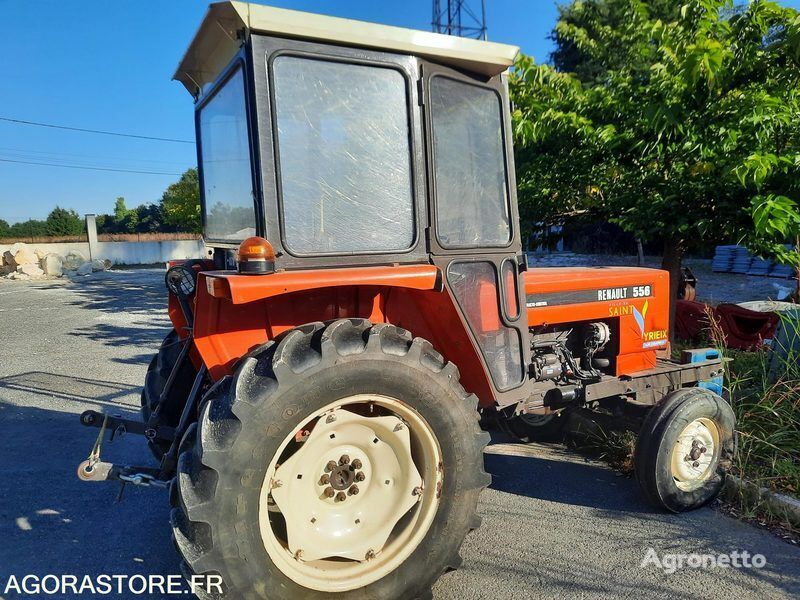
point(244, 419)
point(156, 378)
point(654, 444)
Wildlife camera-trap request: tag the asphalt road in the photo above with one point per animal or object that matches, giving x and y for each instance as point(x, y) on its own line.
point(554, 524)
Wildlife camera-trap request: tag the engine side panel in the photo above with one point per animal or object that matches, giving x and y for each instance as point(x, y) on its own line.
point(638, 297)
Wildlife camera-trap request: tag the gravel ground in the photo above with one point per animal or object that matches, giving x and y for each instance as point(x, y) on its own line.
point(554, 523)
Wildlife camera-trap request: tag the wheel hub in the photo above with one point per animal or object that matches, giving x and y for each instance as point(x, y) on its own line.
point(693, 455)
point(345, 489)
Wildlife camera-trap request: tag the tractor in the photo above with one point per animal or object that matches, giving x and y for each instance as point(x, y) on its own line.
point(316, 408)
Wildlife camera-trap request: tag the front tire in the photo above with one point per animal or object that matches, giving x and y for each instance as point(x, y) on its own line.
point(253, 503)
point(684, 449)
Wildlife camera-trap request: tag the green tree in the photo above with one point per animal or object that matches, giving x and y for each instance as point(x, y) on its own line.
point(5, 228)
point(181, 203)
point(29, 228)
point(150, 218)
point(673, 121)
point(777, 232)
point(62, 221)
point(125, 220)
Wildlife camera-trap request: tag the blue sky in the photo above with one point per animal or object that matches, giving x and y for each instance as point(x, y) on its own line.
point(108, 66)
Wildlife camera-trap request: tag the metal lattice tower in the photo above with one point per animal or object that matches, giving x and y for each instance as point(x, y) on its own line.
point(455, 17)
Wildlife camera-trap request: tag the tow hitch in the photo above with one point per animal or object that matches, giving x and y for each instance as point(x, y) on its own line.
point(95, 469)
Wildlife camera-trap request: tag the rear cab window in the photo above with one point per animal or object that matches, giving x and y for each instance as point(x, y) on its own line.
point(344, 151)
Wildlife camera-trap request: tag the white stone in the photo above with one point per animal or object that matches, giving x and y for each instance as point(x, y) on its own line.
point(40, 254)
point(19, 276)
point(52, 265)
point(32, 271)
point(98, 265)
point(84, 269)
point(26, 256)
point(72, 260)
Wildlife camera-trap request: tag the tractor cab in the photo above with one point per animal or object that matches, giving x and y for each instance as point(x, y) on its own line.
point(346, 144)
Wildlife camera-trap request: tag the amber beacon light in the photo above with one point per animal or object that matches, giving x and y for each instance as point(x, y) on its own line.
point(255, 257)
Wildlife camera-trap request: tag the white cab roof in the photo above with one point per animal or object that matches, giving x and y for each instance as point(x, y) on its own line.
point(217, 41)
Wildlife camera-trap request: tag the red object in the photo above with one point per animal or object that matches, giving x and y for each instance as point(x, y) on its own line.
point(743, 329)
point(237, 313)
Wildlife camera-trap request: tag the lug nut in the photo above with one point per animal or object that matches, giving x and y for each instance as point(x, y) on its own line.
point(360, 476)
point(417, 491)
point(331, 465)
point(344, 460)
point(353, 491)
point(356, 464)
point(695, 464)
point(325, 479)
point(341, 497)
point(329, 492)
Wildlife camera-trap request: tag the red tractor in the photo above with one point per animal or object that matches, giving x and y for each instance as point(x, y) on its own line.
point(315, 410)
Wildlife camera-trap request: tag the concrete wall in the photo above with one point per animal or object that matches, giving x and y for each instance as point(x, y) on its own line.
point(128, 253)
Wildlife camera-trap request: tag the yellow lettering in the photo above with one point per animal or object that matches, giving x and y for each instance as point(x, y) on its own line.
point(652, 336)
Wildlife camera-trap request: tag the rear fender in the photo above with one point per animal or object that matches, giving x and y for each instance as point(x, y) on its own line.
point(236, 313)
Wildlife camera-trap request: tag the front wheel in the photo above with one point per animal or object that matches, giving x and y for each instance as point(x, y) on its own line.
point(684, 449)
point(344, 459)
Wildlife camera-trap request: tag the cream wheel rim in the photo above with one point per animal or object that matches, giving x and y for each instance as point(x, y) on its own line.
point(350, 493)
point(694, 454)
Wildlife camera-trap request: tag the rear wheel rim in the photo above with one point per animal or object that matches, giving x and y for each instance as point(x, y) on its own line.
point(695, 454)
point(350, 493)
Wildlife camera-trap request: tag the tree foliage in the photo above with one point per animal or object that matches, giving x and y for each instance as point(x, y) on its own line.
point(181, 203)
point(64, 222)
point(673, 121)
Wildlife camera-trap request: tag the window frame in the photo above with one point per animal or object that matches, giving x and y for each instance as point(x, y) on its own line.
point(315, 56)
point(512, 325)
point(498, 85)
point(239, 63)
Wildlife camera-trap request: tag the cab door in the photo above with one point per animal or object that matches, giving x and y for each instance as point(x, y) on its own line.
point(474, 235)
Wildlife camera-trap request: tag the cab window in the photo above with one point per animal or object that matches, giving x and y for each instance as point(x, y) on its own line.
point(225, 154)
point(472, 209)
point(344, 156)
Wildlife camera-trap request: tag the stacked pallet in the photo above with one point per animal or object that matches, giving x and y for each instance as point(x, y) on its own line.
point(723, 259)
point(736, 259)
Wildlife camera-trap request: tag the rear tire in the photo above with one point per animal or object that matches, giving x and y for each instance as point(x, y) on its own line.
point(156, 378)
point(684, 449)
point(243, 477)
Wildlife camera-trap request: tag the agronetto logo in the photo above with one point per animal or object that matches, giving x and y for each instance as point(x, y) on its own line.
point(670, 563)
